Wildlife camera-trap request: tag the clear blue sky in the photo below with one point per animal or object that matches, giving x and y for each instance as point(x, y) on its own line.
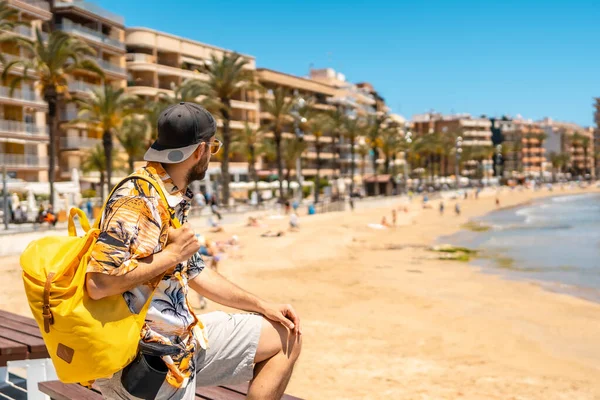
point(529, 57)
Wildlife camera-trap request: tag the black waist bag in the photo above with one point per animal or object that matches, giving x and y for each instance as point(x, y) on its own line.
point(146, 374)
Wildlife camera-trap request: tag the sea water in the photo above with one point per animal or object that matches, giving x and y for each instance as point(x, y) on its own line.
point(555, 241)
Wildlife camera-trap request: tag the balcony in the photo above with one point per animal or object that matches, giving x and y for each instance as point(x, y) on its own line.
point(479, 134)
point(244, 105)
point(44, 5)
point(474, 123)
point(90, 34)
point(37, 8)
point(76, 143)
point(68, 114)
point(23, 161)
point(22, 128)
point(141, 58)
point(23, 30)
point(81, 86)
point(92, 8)
point(22, 95)
point(108, 66)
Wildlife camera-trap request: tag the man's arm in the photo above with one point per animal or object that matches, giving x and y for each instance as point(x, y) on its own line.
point(100, 285)
point(181, 245)
point(214, 286)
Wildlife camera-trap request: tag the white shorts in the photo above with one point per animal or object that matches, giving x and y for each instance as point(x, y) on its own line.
point(229, 359)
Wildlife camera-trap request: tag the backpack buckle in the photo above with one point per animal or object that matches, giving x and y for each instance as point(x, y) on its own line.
point(48, 317)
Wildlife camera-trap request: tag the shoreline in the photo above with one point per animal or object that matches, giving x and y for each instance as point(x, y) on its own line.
point(494, 259)
point(384, 318)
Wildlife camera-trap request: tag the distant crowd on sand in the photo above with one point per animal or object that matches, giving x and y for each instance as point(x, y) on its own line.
point(426, 204)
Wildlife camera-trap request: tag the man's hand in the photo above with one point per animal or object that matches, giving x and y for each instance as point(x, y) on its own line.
point(284, 314)
point(182, 243)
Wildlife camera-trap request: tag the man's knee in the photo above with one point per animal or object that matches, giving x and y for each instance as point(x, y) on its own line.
point(275, 339)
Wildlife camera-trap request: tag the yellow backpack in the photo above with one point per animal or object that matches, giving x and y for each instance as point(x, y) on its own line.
point(87, 339)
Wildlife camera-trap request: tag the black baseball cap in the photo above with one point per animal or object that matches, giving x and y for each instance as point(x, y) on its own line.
point(181, 129)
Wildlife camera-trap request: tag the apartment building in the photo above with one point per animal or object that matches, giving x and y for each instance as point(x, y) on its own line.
point(158, 61)
point(23, 130)
point(597, 135)
point(475, 132)
point(577, 141)
point(354, 99)
point(319, 94)
point(522, 148)
point(104, 31)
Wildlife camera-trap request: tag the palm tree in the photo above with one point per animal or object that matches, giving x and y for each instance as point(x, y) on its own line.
point(390, 145)
point(104, 110)
point(292, 149)
point(576, 141)
point(153, 110)
point(374, 128)
point(585, 143)
point(249, 142)
point(188, 91)
point(317, 126)
point(541, 137)
point(227, 76)
point(96, 161)
point(132, 135)
point(363, 151)
point(426, 146)
point(559, 161)
point(336, 127)
point(51, 63)
point(353, 127)
point(481, 153)
point(279, 107)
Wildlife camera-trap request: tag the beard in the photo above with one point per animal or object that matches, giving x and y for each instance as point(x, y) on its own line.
point(198, 171)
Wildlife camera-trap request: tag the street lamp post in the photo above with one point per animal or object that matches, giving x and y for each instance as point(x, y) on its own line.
point(498, 161)
point(458, 155)
point(408, 138)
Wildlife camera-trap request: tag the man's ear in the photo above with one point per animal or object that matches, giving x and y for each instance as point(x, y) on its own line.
point(198, 151)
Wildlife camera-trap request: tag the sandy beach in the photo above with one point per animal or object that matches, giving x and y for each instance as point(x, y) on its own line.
point(383, 318)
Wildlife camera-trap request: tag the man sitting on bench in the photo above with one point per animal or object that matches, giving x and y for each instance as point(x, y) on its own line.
point(137, 246)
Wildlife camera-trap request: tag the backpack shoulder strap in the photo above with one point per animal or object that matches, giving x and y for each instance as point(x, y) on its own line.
point(174, 221)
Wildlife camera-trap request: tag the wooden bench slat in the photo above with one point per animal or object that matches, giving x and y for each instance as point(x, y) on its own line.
point(35, 344)
point(18, 318)
point(242, 388)
point(10, 357)
point(61, 391)
point(19, 327)
point(217, 393)
point(8, 346)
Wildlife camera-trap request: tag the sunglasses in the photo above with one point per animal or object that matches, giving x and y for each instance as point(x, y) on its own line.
point(214, 146)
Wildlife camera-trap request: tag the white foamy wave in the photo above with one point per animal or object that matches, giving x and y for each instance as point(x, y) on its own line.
point(574, 197)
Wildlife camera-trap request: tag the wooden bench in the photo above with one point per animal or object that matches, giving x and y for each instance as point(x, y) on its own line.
point(62, 391)
point(22, 346)
point(20, 339)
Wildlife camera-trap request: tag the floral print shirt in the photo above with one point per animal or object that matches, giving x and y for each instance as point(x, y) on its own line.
point(134, 225)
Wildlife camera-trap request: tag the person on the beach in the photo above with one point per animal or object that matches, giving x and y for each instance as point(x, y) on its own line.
point(394, 217)
point(294, 226)
point(441, 208)
point(497, 202)
point(457, 209)
point(384, 222)
point(136, 246)
point(252, 222)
